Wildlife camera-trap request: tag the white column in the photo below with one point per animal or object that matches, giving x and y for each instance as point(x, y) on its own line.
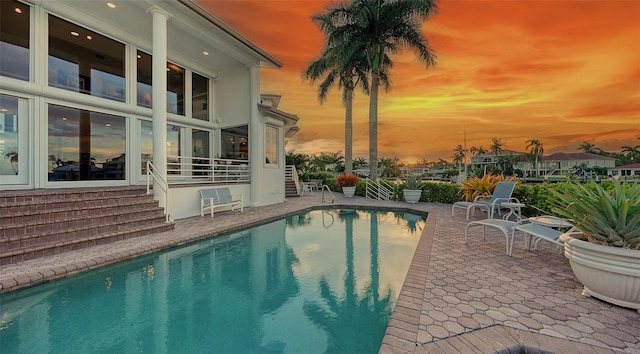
point(256, 136)
point(159, 96)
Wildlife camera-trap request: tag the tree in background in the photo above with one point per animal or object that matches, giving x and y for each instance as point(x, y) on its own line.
point(536, 150)
point(348, 69)
point(377, 28)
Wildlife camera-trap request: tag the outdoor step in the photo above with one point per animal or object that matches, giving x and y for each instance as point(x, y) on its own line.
point(37, 223)
point(79, 209)
point(64, 220)
point(79, 201)
point(75, 230)
point(39, 195)
point(56, 247)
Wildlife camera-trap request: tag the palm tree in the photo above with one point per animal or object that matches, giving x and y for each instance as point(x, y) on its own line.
point(632, 153)
point(348, 71)
point(496, 148)
point(377, 28)
point(535, 148)
point(587, 147)
point(458, 154)
point(478, 150)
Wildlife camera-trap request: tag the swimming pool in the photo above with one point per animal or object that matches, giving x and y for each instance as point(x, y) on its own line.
point(324, 280)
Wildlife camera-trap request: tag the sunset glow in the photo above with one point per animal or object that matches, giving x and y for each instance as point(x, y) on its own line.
point(562, 72)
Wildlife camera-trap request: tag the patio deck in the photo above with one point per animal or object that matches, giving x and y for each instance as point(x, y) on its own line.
point(455, 298)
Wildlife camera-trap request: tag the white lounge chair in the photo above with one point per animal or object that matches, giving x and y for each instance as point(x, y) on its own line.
point(502, 225)
point(501, 194)
point(547, 228)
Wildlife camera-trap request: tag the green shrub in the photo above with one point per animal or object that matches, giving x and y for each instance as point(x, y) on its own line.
point(436, 192)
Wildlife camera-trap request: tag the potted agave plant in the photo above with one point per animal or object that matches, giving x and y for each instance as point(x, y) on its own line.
point(348, 184)
point(605, 253)
point(412, 190)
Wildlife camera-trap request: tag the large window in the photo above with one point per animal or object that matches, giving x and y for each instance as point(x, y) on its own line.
point(175, 86)
point(8, 136)
point(200, 97)
point(235, 143)
point(271, 145)
point(85, 145)
point(83, 61)
point(14, 39)
point(175, 89)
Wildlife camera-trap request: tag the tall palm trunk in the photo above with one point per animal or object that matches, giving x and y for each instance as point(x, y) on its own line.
point(348, 131)
point(373, 126)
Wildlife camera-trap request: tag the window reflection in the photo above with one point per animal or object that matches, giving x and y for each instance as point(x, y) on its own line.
point(8, 135)
point(200, 99)
point(85, 145)
point(271, 145)
point(144, 75)
point(146, 144)
point(14, 39)
point(83, 61)
point(175, 84)
point(175, 89)
point(200, 143)
point(235, 143)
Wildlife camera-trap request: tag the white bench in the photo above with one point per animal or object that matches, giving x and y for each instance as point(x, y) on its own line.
point(213, 198)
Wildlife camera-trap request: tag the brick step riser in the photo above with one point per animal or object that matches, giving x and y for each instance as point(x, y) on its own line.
point(4, 260)
point(47, 226)
point(62, 214)
point(68, 234)
point(36, 207)
point(62, 197)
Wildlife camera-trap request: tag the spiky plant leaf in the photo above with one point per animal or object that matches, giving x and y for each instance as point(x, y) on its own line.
point(605, 218)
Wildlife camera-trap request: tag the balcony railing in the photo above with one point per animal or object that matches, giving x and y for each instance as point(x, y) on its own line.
point(186, 170)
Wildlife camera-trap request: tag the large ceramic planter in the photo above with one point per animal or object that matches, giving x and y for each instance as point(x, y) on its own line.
point(349, 191)
point(412, 195)
point(609, 273)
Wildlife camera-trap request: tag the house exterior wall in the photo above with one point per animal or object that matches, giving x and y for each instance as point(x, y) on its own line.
point(228, 69)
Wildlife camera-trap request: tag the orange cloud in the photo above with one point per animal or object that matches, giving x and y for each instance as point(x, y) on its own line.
point(559, 71)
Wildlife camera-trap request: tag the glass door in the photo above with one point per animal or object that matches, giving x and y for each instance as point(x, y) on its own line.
point(13, 140)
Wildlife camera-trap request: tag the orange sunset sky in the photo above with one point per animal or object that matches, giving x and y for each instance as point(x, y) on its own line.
point(562, 72)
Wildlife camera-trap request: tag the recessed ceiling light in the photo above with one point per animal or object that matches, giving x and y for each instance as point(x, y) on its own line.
point(108, 124)
point(18, 10)
point(139, 56)
point(74, 33)
point(205, 53)
point(3, 110)
point(89, 37)
point(111, 5)
point(64, 118)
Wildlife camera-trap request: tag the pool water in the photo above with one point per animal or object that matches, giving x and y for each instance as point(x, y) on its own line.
point(320, 281)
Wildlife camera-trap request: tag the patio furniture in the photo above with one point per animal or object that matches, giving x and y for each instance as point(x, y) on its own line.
point(515, 209)
point(213, 198)
point(502, 225)
point(501, 194)
point(541, 228)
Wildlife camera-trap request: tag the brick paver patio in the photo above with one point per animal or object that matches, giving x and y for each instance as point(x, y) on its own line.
point(456, 298)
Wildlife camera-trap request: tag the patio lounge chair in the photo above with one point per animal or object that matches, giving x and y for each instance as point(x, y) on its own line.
point(501, 194)
point(502, 225)
point(547, 228)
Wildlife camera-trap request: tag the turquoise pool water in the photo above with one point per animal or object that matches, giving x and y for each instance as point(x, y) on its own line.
point(320, 281)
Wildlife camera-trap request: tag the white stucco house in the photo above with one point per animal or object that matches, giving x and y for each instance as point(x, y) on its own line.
point(90, 91)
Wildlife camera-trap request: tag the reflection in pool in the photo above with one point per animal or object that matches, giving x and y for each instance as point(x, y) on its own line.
point(320, 281)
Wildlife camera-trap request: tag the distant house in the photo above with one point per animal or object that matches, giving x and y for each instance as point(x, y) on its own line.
point(490, 159)
point(625, 172)
point(562, 163)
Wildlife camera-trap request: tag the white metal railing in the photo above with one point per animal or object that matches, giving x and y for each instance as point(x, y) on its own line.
point(193, 170)
point(377, 189)
point(164, 186)
point(324, 186)
point(291, 174)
